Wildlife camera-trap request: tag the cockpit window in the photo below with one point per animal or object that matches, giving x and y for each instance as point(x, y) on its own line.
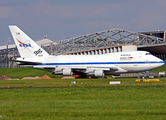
point(148, 54)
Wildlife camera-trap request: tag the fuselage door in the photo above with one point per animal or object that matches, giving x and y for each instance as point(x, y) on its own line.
point(135, 63)
point(147, 63)
point(116, 61)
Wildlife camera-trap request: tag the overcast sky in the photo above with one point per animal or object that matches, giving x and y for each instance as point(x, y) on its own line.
point(59, 19)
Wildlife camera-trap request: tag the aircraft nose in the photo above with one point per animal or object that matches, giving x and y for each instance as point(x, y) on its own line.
point(161, 62)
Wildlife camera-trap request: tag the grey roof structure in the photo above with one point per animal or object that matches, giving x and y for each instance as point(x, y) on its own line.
point(159, 34)
point(44, 42)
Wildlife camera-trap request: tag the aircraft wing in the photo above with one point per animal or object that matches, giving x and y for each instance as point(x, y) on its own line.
point(76, 67)
point(66, 70)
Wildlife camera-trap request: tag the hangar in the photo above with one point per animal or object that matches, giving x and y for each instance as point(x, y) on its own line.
point(108, 41)
point(158, 50)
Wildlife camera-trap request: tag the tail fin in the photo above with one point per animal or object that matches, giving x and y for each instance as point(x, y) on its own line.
point(25, 45)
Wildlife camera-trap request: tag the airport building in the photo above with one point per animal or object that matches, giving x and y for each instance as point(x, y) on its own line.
point(108, 41)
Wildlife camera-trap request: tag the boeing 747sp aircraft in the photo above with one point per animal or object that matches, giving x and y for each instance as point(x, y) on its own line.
point(97, 65)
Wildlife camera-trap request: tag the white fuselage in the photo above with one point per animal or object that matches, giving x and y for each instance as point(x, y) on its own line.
point(135, 61)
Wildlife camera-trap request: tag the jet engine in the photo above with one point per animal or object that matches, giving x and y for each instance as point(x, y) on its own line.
point(58, 72)
point(99, 73)
point(96, 73)
point(67, 72)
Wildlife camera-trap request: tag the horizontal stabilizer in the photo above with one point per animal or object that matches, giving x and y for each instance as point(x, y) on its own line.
point(20, 62)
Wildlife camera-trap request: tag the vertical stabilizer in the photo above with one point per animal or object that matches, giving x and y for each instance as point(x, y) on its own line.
point(25, 45)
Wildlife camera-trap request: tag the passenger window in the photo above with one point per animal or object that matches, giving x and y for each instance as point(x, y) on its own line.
point(148, 53)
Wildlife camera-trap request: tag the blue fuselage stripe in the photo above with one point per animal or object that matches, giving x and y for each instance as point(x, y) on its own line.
point(97, 63)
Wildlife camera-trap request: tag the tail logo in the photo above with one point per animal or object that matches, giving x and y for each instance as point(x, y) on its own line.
point(17, 33)
point(24, 44)
point(37, 52)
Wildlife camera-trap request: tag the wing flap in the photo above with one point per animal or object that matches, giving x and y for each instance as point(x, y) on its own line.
point(77, 68)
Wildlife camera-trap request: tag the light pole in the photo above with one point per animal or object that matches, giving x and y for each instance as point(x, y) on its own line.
point(8, 42)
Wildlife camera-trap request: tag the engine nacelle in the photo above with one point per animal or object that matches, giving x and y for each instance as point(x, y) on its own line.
point(67, 72)
point(99, 73)
point(58, 73)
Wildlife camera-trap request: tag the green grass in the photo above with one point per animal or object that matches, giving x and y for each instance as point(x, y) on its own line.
point(88, 99)
point(60, 83)
point(125, 103)
point(24, 72)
